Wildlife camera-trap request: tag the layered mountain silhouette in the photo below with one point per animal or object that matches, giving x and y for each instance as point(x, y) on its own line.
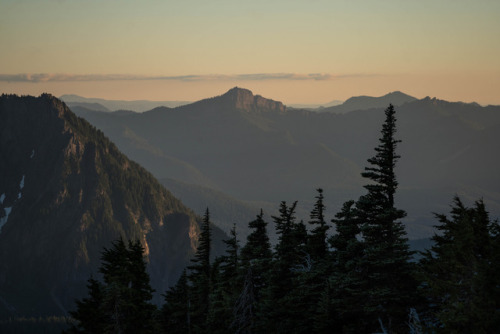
point(113, 105)
point(255, 149)
point(66, 192)
point(368, 102)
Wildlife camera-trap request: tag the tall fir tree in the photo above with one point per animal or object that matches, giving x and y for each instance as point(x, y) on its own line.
point(88, 314)
point(244, 313)
point(226, 286)
point(311, 274)
point(317, 240)
point(121, 304)
point(176, 310)
point(292, 238)
point(346, 283)
point(280, 310)
point(461, 272)
point(257, 253)
point(256, 261)
point(200, 278)
point(386, 258)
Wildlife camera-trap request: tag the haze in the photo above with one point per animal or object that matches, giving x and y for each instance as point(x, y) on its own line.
point(293, 51)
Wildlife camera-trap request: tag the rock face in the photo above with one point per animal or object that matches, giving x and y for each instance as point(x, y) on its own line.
point(65, 193)
point(243, 99)
point(239, 99)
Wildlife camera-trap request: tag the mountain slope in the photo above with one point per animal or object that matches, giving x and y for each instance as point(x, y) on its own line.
point(67, 192)
point(135, 105)
point(271, 154)
point(237, 141)
point(368, 102)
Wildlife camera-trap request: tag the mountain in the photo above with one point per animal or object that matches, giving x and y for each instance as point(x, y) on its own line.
point(226, 210)
point(113, 105)
point(274, 154)
point(367, 102)
point(238, 99)
point(316, 107)
point(88, 105)
point(66, 192)
point(234, 143)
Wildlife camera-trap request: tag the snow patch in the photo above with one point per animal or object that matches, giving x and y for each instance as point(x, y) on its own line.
point(32, 154)
point(21, 186)
point(2, 198)
point(6, 218)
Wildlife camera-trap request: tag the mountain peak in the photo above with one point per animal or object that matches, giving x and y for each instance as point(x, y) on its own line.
point(363, 102)
point(243, 99)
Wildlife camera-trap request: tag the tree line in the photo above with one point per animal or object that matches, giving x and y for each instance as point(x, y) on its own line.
point(355, 276)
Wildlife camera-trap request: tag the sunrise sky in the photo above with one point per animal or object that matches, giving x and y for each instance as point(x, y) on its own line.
point(310, 51)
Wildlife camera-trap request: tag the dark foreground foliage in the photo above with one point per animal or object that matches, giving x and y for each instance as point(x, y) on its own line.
point(41, 325)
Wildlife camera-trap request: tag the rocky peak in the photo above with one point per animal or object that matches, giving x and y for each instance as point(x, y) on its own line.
point(243, 99)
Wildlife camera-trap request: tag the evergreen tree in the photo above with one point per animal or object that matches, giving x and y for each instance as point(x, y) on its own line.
point(281, 311)
point(244, 310)
point(310, 274)
point(226, 287)
point(386, 257)
point(292, 237)
point(200, 278)
point(347, 282)
point(88, 311)
point(257, 253)
point(462, 270)
point(230, 262)
point(121, 304)
point(176, 310)
point(256, 262)
point(317, 241)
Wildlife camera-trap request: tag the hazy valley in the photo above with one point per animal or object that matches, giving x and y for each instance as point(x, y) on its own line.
point(253, 149)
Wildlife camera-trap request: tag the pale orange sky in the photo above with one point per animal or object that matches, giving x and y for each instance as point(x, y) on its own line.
point(292, 51)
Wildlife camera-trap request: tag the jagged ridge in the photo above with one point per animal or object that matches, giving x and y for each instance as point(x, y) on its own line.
point(70, 192)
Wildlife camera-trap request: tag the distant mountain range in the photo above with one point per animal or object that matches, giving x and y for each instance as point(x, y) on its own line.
point(66, 192)
point(354, 103)
point(255, 149)
point(113, 105)
point(367, 102)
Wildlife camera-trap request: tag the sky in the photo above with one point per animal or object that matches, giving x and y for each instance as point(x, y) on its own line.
point(312, 51)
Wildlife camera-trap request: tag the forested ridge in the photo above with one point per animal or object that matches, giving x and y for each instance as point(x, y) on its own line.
point(355, 274)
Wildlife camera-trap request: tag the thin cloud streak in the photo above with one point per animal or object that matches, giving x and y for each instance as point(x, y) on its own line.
point(49, 77)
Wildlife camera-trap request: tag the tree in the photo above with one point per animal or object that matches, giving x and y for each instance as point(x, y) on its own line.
point(317, 243)
point(244, 310)
point(226, 286)
point(280, 310)
point(257, 253)
point(176, 310)
point(292, 238)
point(121, 304)
point(462, 270)
point(88, 315)
point(256, 260)
point(230, 262)
point(200, 278)
point(386, 255)
point(347, 284)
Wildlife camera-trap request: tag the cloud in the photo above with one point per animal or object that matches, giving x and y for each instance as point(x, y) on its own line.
point(48, 77)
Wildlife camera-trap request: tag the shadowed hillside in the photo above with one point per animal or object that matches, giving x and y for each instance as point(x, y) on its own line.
point(66, 192)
